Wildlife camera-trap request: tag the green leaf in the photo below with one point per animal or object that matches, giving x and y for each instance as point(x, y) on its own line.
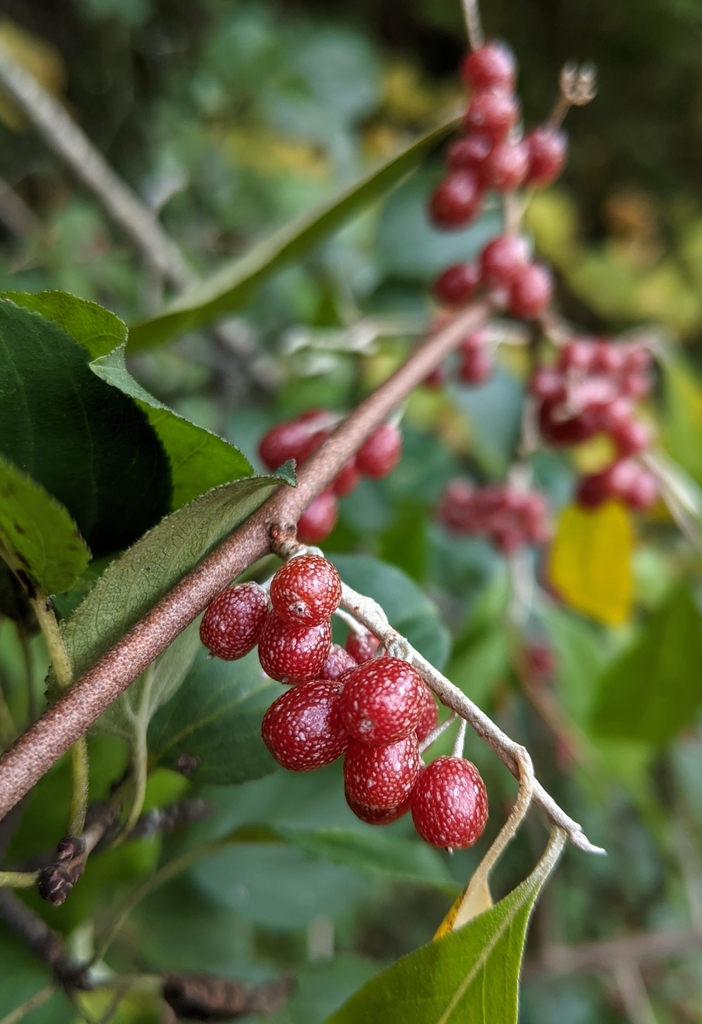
point(470, 975)
point(22, 977)
point(494, 414)
point(216, 717)
point(482, 662)
point(89, 445)
point(407, 607)
point(232, 286)
point(133, 583)
point(199, 459)
point(682, 435)
point(38, 535)
point(655, 687)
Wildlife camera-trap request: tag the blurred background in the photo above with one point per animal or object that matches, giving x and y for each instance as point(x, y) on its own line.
point(229, 118)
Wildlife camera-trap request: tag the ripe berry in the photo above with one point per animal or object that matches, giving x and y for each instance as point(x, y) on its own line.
point(381, 776)
point(429, 718)
point(503, 259)
point(492, 66)
point(338, 664)
point(635, 385)
point(286, 440)
point(449, 803)
point(456, 200)
point(506, 166)
point(630, 436)
point(607, 358)
point(306, 590)
point(476, 365)
point(548, 149)
point(576, 355)
point(377, 815)
point(457, 284)
point(469, 153)
point(531, 291)
point(547, 384)
point(381, 452)
point(593, 490)
point(493, 114)
point(642, 491)
point(362, 646)
point(563, 432)
point(303, 728)
point(232, 624)
point(318, 519)
point(292, 654)
point(347, 480)
point(382, 701)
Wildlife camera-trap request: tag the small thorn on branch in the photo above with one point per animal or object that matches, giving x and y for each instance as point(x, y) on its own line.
point(578, 87)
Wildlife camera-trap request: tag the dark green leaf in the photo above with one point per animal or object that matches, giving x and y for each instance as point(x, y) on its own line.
point(407, 607)
point(494, 412)
point(37, 534)
point(232, 286)
point(95, 328)
point(23, 976)
point(655, 687)
point(216, 717)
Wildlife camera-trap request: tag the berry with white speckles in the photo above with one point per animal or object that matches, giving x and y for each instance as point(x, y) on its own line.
point(377, 815)
point(430, 716)
point(362, 645)
point(233, 622)
point(338, 665)
point(381, 777)
point(382, 701)
point(449, 803)
point(303, 728)
point(293, 654)
point(306, 590)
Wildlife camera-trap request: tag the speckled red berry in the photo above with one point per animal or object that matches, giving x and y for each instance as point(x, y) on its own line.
point(232, 624)
point(503, 259)
point(493, 113)
point(430, 716)
point(339, 664)
point(381, 776)
point(287, 440)
point(377, 815)
point(362, 645)
point(303, 728)
point(381, 452)
point(382, 701)
point(306, 590)
point(548, 149)
point(469, 153)
point(506, 167)
point(318, 520)
point(491, 66)
point(457, 284)
point(531, 291)
point(450, 804)
point(292, 654)
point(456, 201)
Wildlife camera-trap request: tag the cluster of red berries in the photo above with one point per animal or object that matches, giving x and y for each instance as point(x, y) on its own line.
point(492, 154)
point(298, 439)
point(592, 389)
point(373, 710)
point(509, 516)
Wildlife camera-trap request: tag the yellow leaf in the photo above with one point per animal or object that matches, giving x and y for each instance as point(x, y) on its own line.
point(590, 561)
point(34, 55)
point(474, 899)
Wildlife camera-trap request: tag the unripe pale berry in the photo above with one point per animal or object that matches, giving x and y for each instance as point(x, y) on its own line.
point(449, 803)
point(381, 777)
point(469, 153)
point(429, 718)
point(493, 113)
point(377, 815)
point(381, 452)
point(233, 622)
point(491, 66)
point(382, 701)
point(457, 284)
point(303, 728)
point(503, 259)
point(293, 654)
point(362, 645)
point(317, 521)
point(456, 200)
point(306, 590)
point(531, 291)
point(506, 167)
point(548, 149)
point(339, 664)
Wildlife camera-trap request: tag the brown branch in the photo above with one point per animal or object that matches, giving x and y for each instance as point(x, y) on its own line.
point(24, 763)
point(602, 956)
point(209, 998)
point(44, 942)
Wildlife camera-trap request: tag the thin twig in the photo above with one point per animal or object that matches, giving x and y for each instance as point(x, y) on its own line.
point(20, 1012)
point(18, 879)
point(577, 87)
point(474, 28)
point(632, 992)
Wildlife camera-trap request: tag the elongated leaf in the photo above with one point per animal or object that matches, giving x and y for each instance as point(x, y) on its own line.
point(470, 975)
point(407, 607)
point(232, 286)
point(38, 535)
point(655, 687)
point(199, 459)
point(682, 434)
point(150, 568)
point(216, 717)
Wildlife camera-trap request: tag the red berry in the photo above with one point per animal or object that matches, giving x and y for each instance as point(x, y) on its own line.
point(338, 664)
point(493, 113)
point(292, 654)
point(576, 355)
point(630, 436)
point(381, 452)
point(469, 153)
point(383, 701)
point(491, 66)
point(503, 259)
point(347, 480)
point(636, 357)
point(381, 776)
point(306, 590)
point(642, 491)
point(457, 284)
point(547, 384)
point(377, 815)
point(562, 433)
point(430, 716)
point(506, 166)
point(436, 378)
point(449, 803)
point(456, 200)
point(287, 440)
point(318, 519)
point(548, 149)
point(476, 365)
point(303, 728)
point(593, 490)
point(636, 385)
point(232, 624)
point(531, 291)
point(362, 646)
point(607, 358)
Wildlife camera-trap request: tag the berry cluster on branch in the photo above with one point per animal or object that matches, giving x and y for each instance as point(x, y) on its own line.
point(508, 516)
